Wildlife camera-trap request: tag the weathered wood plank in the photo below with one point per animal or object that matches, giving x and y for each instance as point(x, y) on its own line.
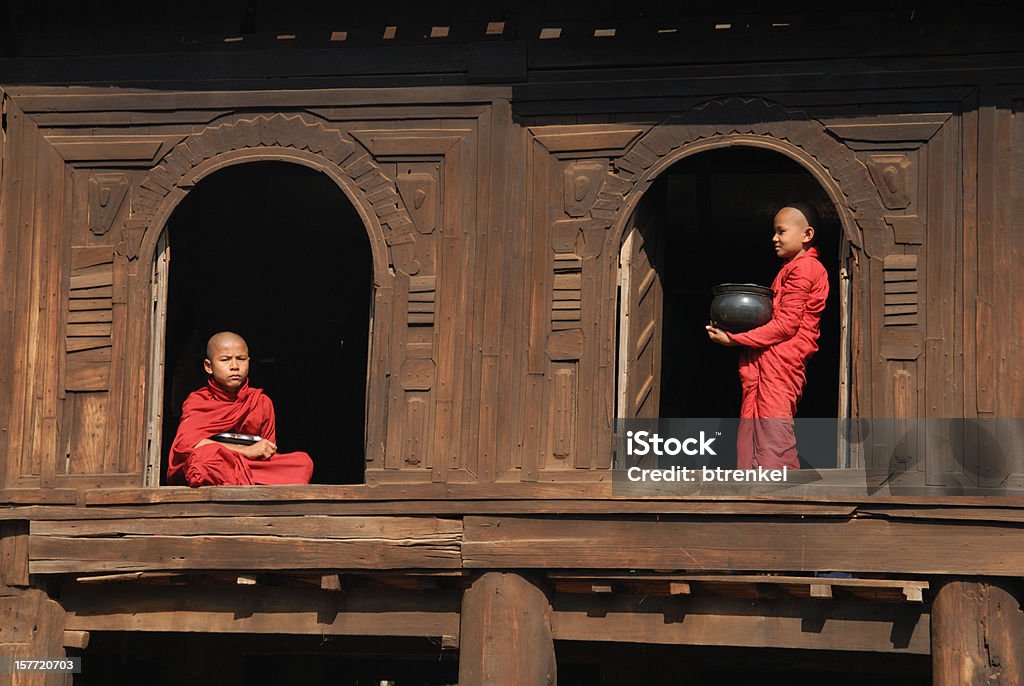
point(39, 99)
point(12, 181)
point(739, 622)
point(359, 492)
point(55, 231)
point(582, 138)
point(259, 610)
point(775, 579)
point(35, 496)
point(89, 330)
point(83, 256)
point(20, 253)
point(108, 148)
point(906, 262)
point(387, 544)
point(307, 526)
point(87, 343)
point(76, 639)
point(422, 284)
point(14, 553)
point(87, 374)
point(89, 316)
point(413, 507)
point(105, 292)
point(852, 545)
point(99, 278)
point(502, 420)
point(564, 490)
point(900, 275)
point(57, 555)
point(74, 305)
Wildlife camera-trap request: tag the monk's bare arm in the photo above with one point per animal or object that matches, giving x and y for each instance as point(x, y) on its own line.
point(720, 337)
point(262, 450)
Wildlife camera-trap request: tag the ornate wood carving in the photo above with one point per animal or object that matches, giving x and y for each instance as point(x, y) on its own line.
point(583, 181)
point(563, 409)
point(893, 174)
point(419, 192)
point(771, 123)
point(418, 374)
point(106, 195)
point(294, 131)
point(429, 164)
point(581, 237)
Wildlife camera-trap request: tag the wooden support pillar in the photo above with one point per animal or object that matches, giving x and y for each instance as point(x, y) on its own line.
point(31, 627)
point(977, 634)
point(505, 634)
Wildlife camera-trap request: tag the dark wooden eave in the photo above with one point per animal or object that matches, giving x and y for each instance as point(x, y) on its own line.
point(229, 51)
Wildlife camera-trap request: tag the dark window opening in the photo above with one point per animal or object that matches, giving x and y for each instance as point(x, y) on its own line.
point(709, 220)
point(276, 252)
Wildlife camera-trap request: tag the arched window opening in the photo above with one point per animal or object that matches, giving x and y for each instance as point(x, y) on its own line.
point(708, 220)
point(276, 252)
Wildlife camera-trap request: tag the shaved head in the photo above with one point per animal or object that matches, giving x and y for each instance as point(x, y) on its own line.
point(222, 338)
point(794, 215)
point(806, 209)
point(227, 360)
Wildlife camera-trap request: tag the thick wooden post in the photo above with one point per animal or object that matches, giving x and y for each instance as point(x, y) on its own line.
point(505, 635)
point(31, 627)
point(977, 634)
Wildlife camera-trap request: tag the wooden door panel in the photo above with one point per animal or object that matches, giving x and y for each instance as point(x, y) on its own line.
point(641, 316)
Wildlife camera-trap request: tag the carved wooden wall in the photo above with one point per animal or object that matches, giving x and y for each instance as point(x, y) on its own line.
point(496, 244)
point(913, 163)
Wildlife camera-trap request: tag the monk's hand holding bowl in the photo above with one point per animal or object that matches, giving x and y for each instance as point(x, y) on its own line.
point(719, 336)
point(262, 450)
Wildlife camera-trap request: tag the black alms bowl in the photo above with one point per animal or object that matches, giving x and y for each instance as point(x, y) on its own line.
point(739, 307)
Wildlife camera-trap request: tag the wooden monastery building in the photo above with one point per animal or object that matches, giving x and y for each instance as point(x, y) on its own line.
point(462, 240)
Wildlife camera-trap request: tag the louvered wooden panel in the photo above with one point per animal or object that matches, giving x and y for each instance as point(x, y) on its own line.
point(566, 297)
point(89, 319)
point(422, 294)
point(900, 275)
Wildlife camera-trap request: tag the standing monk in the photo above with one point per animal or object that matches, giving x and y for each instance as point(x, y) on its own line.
point(773, 363)
point(229, 404)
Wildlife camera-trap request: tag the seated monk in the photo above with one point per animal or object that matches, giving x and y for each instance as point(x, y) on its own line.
point(229, 404)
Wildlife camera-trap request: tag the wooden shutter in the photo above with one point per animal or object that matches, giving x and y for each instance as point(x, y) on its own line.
point(640, 316)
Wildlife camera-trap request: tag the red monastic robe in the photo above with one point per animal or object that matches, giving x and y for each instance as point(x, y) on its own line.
point(773, 365)
point(212, 410)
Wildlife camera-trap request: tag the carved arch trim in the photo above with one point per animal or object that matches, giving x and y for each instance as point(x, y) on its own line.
point(294, 139)
point(756, 123)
